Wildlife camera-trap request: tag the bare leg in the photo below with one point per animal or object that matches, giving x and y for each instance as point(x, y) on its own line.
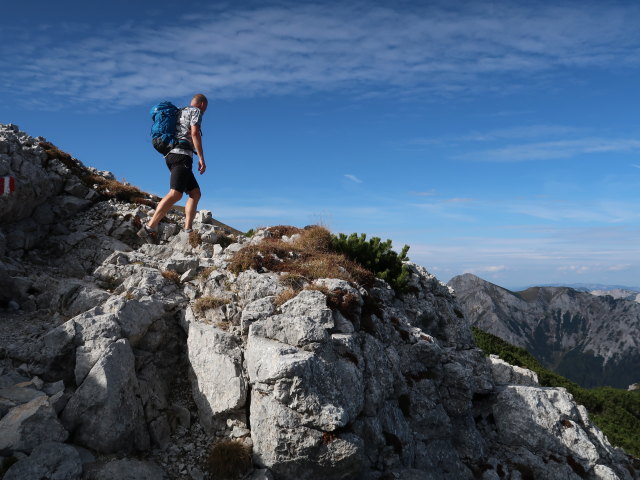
point(164, 206)
point(191, 207)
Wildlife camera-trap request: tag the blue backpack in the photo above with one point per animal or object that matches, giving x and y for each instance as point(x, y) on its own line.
point(163, 130)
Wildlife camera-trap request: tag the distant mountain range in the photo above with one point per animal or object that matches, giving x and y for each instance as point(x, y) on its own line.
point(591, 339)
point(584, 287)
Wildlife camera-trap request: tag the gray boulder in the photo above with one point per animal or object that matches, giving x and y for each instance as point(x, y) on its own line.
point(125, 469)
point(49, 461)
point(105, 413)
point(218, 384)
point(28, 425)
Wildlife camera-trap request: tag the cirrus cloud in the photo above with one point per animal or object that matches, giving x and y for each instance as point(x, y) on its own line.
point(284, 48)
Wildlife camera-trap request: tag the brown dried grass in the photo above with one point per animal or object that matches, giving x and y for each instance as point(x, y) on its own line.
point(314, 238)
point(206, 272)
point(228, 459)
point(284, 296)
point(307, 257)
point(195, 239)
point(343, 301)
point(279, 231)
point(171, 275)
point(203, 304)
point(293, 280)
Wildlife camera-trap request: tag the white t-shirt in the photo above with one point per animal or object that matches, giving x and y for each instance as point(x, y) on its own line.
point(189, 116)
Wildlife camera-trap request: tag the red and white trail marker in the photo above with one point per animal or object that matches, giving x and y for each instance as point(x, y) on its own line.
point(7, 185)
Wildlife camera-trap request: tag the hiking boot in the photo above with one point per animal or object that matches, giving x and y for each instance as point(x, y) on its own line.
point(148, 234)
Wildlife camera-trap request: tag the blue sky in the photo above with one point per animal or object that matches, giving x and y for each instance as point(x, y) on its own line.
point(498, 138)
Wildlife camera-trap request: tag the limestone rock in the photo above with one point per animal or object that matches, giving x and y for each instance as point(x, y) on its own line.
point(28, 425)
point(216, 363)
point(506, 374)
point(125, 469)
point(109, 419)
point(48, 461)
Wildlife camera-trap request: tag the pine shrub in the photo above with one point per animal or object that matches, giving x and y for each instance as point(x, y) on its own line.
point(376, 256)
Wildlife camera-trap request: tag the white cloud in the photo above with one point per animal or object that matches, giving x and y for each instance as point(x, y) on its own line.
point(297, 48)
point(427, 193)
point(554, 150)
point(353, 178)
point(579, 269)
point(620, 267)
point(486, 269)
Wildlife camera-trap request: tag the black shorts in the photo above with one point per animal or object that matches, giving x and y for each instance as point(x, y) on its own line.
point(182, 178)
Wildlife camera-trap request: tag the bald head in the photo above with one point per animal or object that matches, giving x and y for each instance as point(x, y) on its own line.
point(199, 101)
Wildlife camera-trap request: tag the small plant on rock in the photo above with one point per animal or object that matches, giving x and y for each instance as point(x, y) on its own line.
point(195, 239)
point(224, 240)
point(204, 274)
point(280, 231)
point(284, 296)
point(228, 459)
point(339, 299)
point(203, 304)
point(171, 275)
point(293, 280)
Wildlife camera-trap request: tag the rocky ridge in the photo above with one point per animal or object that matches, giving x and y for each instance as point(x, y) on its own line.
point(618, 293)
point(592, 340)
point(111, 368)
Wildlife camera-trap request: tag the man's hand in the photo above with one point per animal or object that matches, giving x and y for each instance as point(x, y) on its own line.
point(201, 167)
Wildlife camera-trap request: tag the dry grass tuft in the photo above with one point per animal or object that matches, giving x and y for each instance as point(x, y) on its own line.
point(195, 239)
point(314, 238)
point(203, 304)
point(328, 437)
point(284, 296)
point(343, 301)
point(228, 459)
point(307, 257)
point(204, 274)
point(224, 240)
point(172, 275)
point(293, 280)
point(222, 325)
point(279, 231)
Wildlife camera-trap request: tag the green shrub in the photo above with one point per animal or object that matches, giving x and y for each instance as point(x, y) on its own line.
point(376, 256)
point(616, 412)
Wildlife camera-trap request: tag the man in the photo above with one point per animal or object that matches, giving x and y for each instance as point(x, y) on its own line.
point(179, 161)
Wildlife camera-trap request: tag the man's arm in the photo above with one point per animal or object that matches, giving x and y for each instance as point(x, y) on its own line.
point(197, 143)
